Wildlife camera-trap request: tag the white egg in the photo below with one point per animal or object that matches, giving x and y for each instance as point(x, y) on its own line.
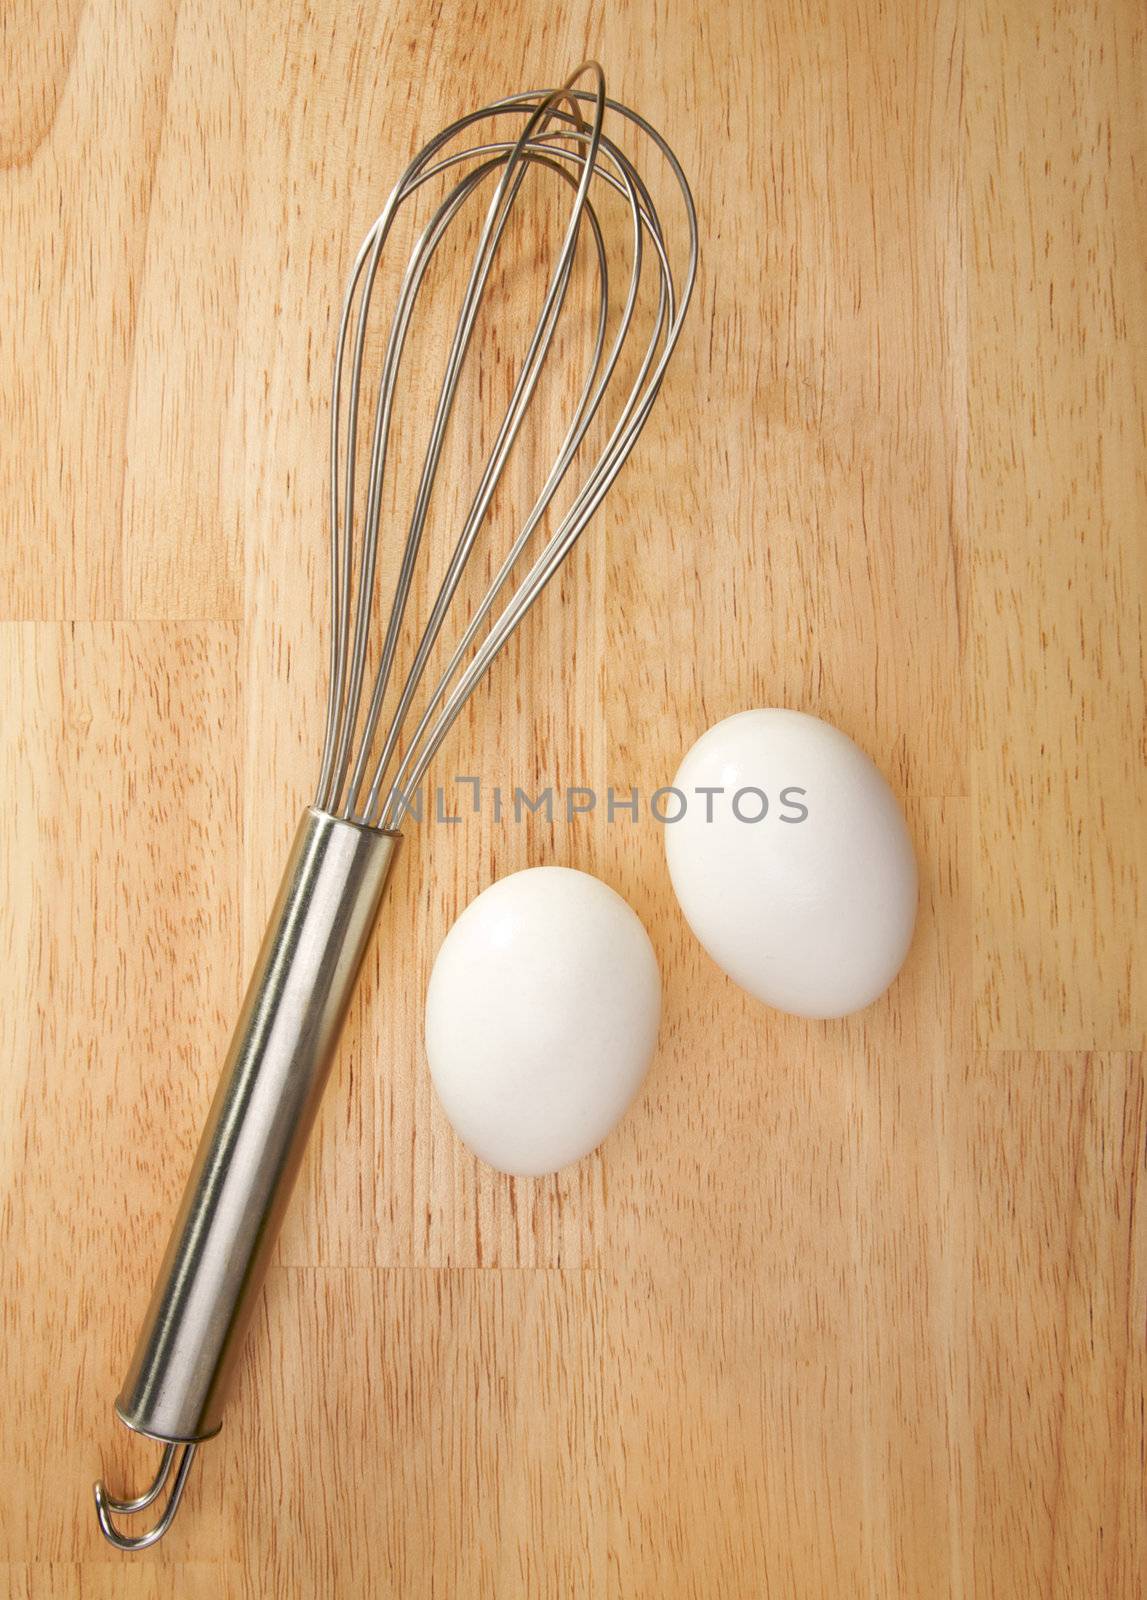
point(541, 1018)
point(797, 875)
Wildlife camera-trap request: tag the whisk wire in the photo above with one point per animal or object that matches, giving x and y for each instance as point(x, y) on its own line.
point(503, 444)
point(497, 216)
point(628, 424)
point(420, 262)
point(585, 408)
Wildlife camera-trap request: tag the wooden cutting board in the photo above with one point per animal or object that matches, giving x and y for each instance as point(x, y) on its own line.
point(841, 1309)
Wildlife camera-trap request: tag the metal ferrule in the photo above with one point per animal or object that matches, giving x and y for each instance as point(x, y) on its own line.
point(249, 1155)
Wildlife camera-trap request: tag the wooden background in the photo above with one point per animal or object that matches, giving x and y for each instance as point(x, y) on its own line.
point(842, 1309)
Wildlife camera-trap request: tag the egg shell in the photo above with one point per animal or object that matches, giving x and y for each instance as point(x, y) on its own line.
point(541, 1018)
point(812, 914)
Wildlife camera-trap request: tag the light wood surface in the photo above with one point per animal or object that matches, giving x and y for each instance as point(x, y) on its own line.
point(841, 1309)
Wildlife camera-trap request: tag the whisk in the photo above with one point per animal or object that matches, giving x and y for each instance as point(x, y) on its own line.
point(338, 867)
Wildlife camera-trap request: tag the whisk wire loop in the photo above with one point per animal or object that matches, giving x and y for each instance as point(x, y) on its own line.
point(564, 134)
point(509, 184)
point(108, 1507)
point(507, 433)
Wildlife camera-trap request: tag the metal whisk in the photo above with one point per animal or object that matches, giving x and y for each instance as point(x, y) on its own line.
point(336, 875)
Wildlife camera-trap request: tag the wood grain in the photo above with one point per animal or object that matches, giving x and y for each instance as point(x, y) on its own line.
point(841, 1309)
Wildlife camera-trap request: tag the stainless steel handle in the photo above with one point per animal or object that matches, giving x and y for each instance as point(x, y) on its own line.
point(249, 1154)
